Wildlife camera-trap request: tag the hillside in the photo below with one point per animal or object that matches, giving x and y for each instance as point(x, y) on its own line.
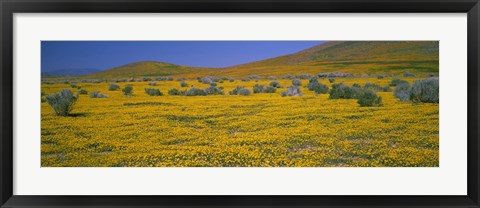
point(147, 68)
point(373, 57)
point(68, 72)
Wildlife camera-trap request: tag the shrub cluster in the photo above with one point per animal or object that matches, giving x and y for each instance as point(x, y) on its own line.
point(240, 90)
point(377, 88)
point(297, 82)
point(153, 92)
point(244, 92)
point(146, 79)
point(183, 84)
point(97, 94)
point(169, 78)
point(425, 91)
point(314, 85)
point(128, 90)
point(275, 84)
point(263, 89)
point(402, 91)
point(369, 98)
point(175, 91)
point(364, 96)
point(292, 90)
point(335, 74)
point(213, 90)
point(113, 87)
point(195, 92)
point(63, 102)
point(343, 91)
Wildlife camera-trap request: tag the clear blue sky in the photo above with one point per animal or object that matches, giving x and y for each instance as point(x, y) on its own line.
point(108, 54)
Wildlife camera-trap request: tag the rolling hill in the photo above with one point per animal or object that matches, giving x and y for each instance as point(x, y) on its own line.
point(147, 69)
point(68, 72)
point(357, 57)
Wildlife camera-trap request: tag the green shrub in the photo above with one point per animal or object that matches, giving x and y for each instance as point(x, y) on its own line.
point(259, 88)
point(97, 94)
point(369, 98)
point(183, 84)
point(128, 90)
point(312, 84)
point(113, 87)
point(73, 85)
point(235, 90)
point(397, 81)
point(316, 86)
point(402, 91)
point(153, 92)
point(263, 89)
point(176, 92)
point(331, 80)
point(212, 90)
point(240, 90)
point(63, 102)
point(296, 82)
point(154, 83)
point(270, 89)
point(244, 92)
point(275, 84)
point(146, 79)
point(195, 92)
point(321, 89)
point(425, 91)
point(83, 92)
point(231, 80)
point(380, 76)
point(343, 91)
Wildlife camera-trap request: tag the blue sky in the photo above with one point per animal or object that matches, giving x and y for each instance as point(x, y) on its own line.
point(108, 54)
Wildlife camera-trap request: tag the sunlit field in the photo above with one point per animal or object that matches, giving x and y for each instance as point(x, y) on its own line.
point(259, 130)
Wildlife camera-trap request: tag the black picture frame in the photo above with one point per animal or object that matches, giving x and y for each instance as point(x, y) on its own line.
point(9, 7)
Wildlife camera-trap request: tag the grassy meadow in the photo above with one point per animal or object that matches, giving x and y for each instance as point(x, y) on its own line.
point(259, 130)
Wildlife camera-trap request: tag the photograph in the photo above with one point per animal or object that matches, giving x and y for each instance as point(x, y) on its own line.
point(239, 103)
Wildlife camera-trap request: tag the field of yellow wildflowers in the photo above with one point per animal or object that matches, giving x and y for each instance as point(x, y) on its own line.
point(260, 130)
